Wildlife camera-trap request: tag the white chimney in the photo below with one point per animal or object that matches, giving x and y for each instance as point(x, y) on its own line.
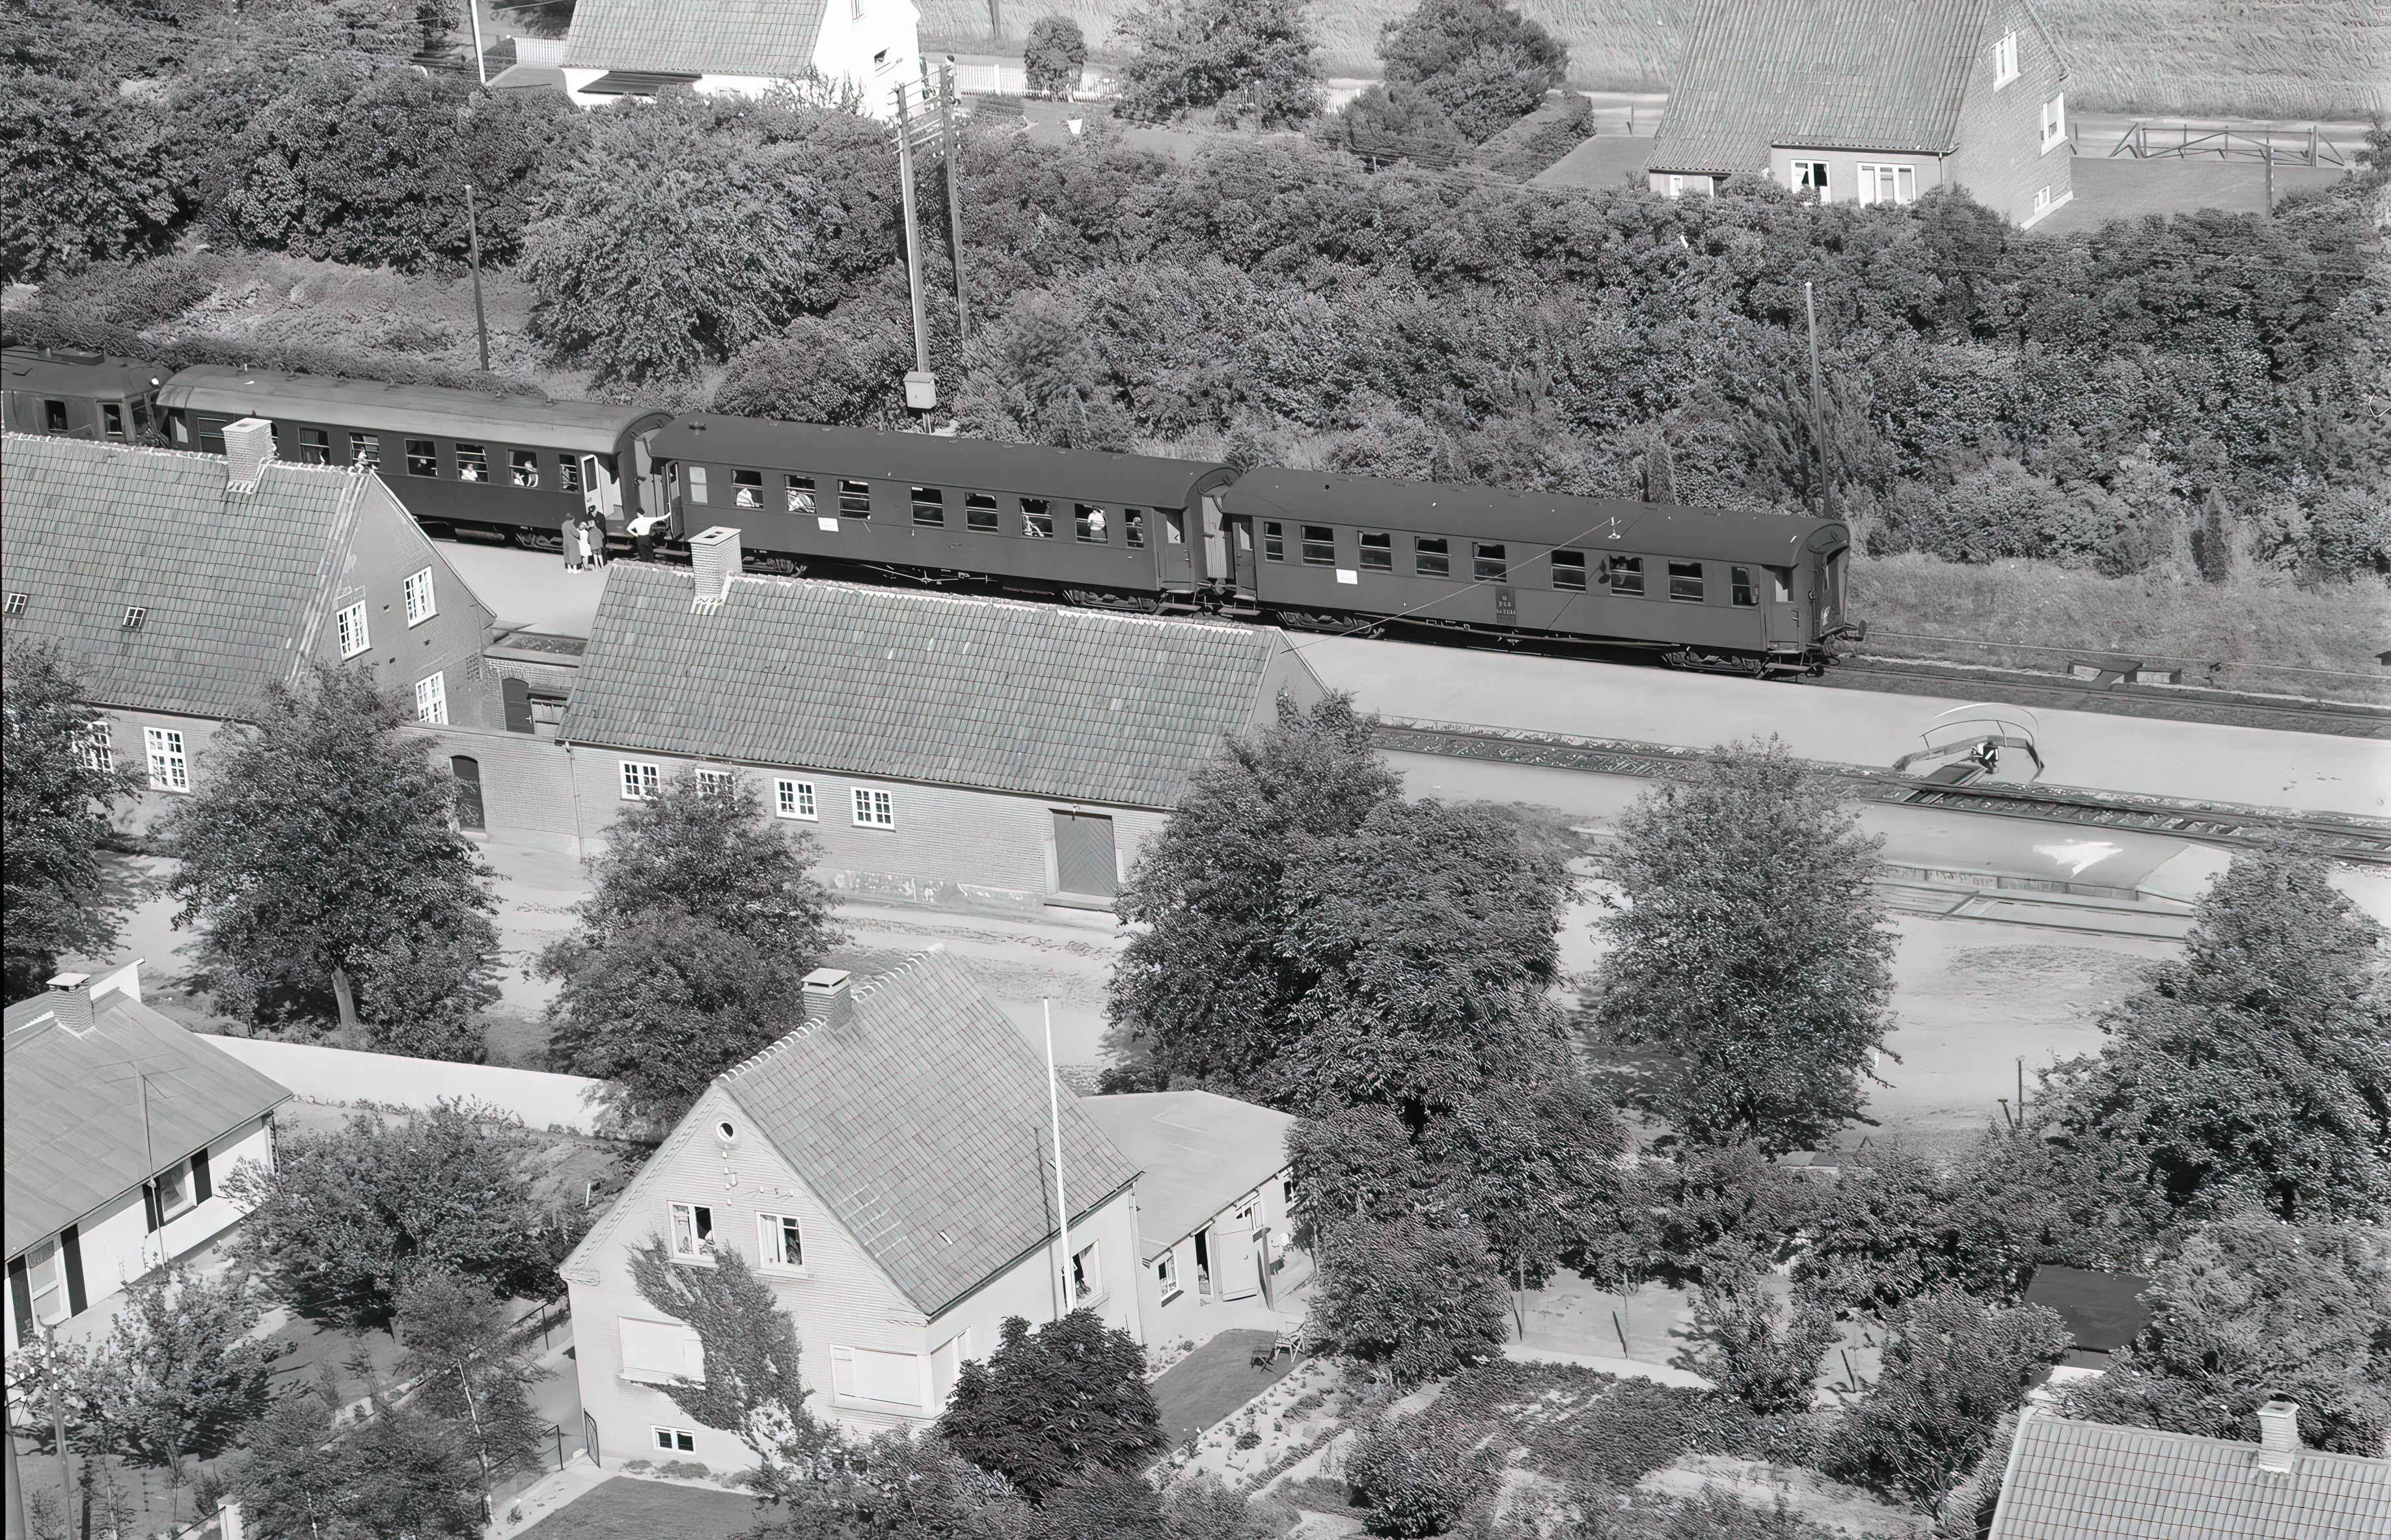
point(828, 1000)
point(715, 556)
point(248, 444)
point(2278, 1437)
point(67, 983)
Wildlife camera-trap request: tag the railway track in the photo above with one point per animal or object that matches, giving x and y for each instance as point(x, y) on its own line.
point(2345, 836)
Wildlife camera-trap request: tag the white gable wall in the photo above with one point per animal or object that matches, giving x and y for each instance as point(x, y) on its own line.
point(873, 45)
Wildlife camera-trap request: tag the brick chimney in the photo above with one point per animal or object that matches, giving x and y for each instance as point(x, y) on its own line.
point(70, 1001)
point(249, 445)
point(715, 556)
point(829, 1001)
point(2278, 1437)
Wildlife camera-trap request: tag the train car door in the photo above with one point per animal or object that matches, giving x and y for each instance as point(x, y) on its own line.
point(602, 497)
point(1784, 619)
point(1240, 531)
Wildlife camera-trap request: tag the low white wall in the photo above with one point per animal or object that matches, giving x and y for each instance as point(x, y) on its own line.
point(343, 1076)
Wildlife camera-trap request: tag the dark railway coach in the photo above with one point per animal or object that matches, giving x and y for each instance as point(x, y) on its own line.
point(458, 459)
point(79, 395)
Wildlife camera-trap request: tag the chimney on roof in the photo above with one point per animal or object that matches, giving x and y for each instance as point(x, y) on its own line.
point(67, 983)
point(2278, 1437)
point(70, 1001)
point(248, 444)
point(713, 557)
point(828, 1002)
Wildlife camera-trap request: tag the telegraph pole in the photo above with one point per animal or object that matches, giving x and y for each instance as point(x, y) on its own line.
point(955, 194)
point(473, 234)
point(921, 386)
point(1817, 413)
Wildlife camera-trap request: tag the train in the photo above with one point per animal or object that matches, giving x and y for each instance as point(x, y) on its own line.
point(1714, 590)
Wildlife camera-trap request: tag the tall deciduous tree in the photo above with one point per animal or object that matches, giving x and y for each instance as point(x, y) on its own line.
point(1054, 55)
point(1416, 1293)
point(1252, 57)
point(1485, 64)
point(1749, 949)
point(1066, 1401)
point(319, 860)
point(394, 1469)
point(90, 176)
point(54, 798)
point(471, 1365)
point(1763, 1352)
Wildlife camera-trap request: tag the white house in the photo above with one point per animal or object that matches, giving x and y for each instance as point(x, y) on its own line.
point(120, 1127)
point(620, 48)
point(888, 1168)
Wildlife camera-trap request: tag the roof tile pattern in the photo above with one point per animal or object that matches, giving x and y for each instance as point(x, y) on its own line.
point(985, 693)
point(2090, 1480)
point(232, 582)
point(1196, 1154)
point(1822, 74)
point(923, 1121)
point(772, 38)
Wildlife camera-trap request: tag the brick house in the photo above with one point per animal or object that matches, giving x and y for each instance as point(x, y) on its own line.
point(182, 584)
point(1873, 101)
point(949, 749)
point(619, 49)
point(888, 1168)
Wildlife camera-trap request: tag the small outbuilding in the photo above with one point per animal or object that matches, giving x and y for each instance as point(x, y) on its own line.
point(2103, 1311)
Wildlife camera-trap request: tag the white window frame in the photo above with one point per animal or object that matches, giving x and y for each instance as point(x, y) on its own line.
point(2042, 199)
point(1088, 1263)
point(642, 781)
point(684, 1226)
point(844, 1384)
point(793, 798)
point(421, 603)
point(720, 782)
point(2005, 60)
point(676, 1440)
point(874, 808)
point(1676, 185)
point(431, 699)
point(1823, 186)
point(772, 1231)
point(169, 764)
point(1166, 1275)
point(176, 1180)
point(356, 634)
point(99, 746)
point(2054, 123)
point(45, 1279)
point(1872, 176)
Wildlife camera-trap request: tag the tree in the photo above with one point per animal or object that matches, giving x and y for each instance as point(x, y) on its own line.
point(2256, 1069)
point(90, 176)
point(394, 1469)
point(1388, 123)
point(1054, 55)
point(1534, 1160)
point(320, 859)
point(1763, 1352)
point(54, 816)
point(1416, 1476)
point(1749, 949)
point(1418, 1295)
point(1249, 58)
point(693, 947)
point(470, 1366)
point(1953, 1367)
point(1485, 64)
point(345, 1220)
point(2249, 1310)
point(1067, 1401)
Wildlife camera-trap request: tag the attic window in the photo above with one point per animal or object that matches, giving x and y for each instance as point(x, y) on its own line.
point(2005, 60)
point(16, 604)
point(133, 615)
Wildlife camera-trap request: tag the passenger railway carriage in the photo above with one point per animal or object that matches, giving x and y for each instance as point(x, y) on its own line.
point(81, 395)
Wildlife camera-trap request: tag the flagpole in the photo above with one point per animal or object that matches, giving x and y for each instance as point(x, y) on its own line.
point(1054, 1110)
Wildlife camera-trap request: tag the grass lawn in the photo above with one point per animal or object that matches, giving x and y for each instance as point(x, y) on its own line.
point(2110, 187)
point(1214, 1381)
point(627, 1509)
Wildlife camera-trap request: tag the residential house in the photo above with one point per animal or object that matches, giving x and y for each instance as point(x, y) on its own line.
point(619, 49)
point(2092, 1481)
point(944, 749)
point(888, 1169)
point(122, 1128)
point(182, 585)
point(1872, 101)
point(1212, 1199)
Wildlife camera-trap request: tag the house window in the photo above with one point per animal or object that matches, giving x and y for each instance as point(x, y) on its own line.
point(717, 783)
point(692, 1230)
point(641, 780)
point(799, 490)
point(1676, 185)
point(1377, 552)
point(780, 1242)
point(1089, 522)
point(1686, 580)
point(1037, 522)
point(1811, 174)
point(979, 512)
point(421, 604)
point(1569, 571)
point(112, 417)
point(364, 449)
point(431, 699)
point(423, 457)
point(1881, 184)
point(2041, 199)
point(1429, 558)
point(46, 1289)
point(697, 483)
point(568, 473)
point(855, 499)
point(2005, 60)
point(655, 1352)
point(929, 506)
point(170, 1195)
point(1165, 1274)
point(351, 625)
point(1319, 546)
point(1274, 542)
point(747, 489)
point(472, 463)
point(522, 469)
point(1740, 588)
point(1087, 1276)
point(794, 799)
point(133, 615)
point(16, 605)
point(861, 1374)
point(170, 769)
point(99, 746)
point(315, 446)
point(2054, 121)
point(679, 1439)
point(872, 809)
point(1488, 563)
point(1134, 527)
point(1626, 575)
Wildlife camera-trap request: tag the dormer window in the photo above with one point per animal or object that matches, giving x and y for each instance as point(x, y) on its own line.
point(2005, 60)
point(133, 615)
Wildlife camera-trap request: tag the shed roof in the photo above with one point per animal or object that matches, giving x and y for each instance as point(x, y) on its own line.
point(75, 1135)
point(233, 583)
point(1822, 74)
point(771, 38)
point(923, 1121)
point(588, 426)
point(2091, 1481)
point(975, 692)
point(2103, 1311)
point(1196, 1154)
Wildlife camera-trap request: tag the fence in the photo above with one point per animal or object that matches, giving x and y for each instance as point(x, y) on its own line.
point(343, 1077)
point(2148, 141)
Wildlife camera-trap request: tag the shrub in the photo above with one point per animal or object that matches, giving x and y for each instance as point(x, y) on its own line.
point(1394, 122)
point(1487, 65)
point(1416, 1476)
point(1054, 57)
point(1249, 58)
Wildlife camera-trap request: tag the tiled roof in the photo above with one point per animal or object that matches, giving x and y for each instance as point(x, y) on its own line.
point(1196, 1152)
point(2091, 1481)
point(1821, 74)
point(75, 1138)
point(773, 38)
point(232, 582)
point(923, 1121)
point(956, 691)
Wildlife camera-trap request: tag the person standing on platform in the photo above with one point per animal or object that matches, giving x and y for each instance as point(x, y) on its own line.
point(571, 530)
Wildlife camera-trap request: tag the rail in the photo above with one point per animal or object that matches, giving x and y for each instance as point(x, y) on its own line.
point(2144, 140)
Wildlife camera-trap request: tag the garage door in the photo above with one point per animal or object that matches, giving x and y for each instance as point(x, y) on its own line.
point(1083, 856)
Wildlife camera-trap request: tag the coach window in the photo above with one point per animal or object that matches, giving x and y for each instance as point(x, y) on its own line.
point(697, 483)
point(423, 457)
point(747, 488)
point(1685, 581)
point(929, 506)
point(522, 469)
point(1134, 527)
point(54, 413)
point(1089, 522)
point(1378, 553)
point(1037, 522)
point(568, 473)
point(1740, 588)
point(364, 449)
point(1274, 542)
point(212, 438)
point(1569, 571)
point(979, 513)
point(111, 418)
point(800, 492)
point(1780, 578)
point(1625, 575)
point(855, 499)
point(1489, 564)
point(315, 446)
point(1429, 558)
point(1319, 546)
point(472, 463)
